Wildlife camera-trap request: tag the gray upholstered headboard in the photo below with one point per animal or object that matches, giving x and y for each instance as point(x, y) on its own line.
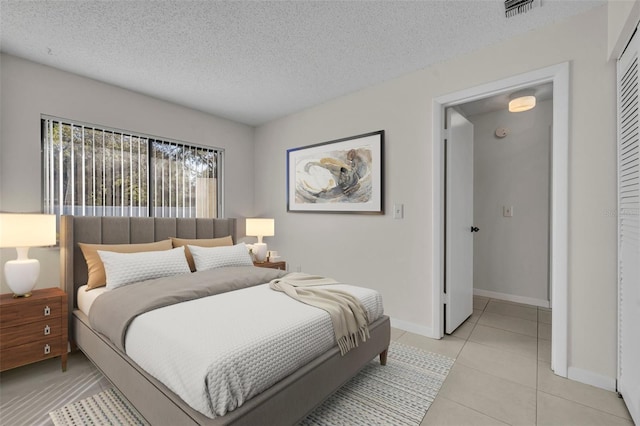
point(124, 230)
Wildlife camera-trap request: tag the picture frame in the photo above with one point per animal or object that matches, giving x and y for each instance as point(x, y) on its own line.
point(339, 176)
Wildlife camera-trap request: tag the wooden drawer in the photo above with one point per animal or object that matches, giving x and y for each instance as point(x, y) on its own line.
point(36, 310)
point(19, 335)
point(31, 352)
point(28, 325)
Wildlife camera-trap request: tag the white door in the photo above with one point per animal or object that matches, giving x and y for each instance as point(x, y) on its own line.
point(459, 220)
point(629, 229)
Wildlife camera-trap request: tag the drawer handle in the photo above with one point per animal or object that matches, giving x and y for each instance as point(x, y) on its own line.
point(47, 349)
point(47, 311)
point(47, 330)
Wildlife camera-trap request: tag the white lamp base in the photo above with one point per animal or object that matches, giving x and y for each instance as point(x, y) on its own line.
point(21, 275)
point(260, 252)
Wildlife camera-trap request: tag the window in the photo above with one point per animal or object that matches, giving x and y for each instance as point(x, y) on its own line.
point(93, 171)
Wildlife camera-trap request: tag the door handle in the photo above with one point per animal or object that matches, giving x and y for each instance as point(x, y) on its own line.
point(474, 229)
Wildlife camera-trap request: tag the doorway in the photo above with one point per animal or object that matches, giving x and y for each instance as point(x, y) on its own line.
point(558, 75)
point(511, 172)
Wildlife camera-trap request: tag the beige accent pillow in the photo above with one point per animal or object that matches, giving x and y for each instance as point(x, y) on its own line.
point(200, 242)
point(97, 277)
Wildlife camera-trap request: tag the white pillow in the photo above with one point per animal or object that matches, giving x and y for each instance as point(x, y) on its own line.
point(126, 268)
point(218, 257)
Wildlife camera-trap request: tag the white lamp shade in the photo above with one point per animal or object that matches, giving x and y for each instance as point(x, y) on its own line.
point(259, 227)
point(27, 230)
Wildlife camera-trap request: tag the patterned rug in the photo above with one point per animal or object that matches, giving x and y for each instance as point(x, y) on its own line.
point(106, 408)
point(399, 393)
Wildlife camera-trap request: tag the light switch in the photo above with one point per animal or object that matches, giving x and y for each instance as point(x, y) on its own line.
point(398, 211)
point(507, 211)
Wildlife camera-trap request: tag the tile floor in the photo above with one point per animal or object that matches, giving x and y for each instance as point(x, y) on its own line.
point(502, 376)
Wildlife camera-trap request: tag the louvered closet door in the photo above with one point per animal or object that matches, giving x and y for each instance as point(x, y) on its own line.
point(629, 229)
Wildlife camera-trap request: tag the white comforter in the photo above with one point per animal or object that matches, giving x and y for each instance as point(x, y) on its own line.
point(217, 352)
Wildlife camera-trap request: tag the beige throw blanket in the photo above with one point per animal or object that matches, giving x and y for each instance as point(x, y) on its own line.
point(349, 317)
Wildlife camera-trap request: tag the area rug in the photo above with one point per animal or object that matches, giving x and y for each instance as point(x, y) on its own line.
point(399, 393)
point(106, 408)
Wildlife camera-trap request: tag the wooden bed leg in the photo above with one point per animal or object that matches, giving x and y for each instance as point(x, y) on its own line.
point(383, 357)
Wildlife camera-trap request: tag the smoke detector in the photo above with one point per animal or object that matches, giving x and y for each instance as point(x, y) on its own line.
point(502, 132)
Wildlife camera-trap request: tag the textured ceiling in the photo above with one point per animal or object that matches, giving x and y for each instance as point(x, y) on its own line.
point(256, 61)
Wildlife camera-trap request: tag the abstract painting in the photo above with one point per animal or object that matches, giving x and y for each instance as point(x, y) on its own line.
point(339, 176)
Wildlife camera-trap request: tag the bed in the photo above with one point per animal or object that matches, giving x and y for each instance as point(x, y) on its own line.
point(284, 402)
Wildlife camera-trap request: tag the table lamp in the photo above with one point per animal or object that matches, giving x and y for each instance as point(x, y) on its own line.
point(259, 227)
point(23, 231)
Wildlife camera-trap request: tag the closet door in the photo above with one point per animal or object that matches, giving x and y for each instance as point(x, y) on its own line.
point(629, 229)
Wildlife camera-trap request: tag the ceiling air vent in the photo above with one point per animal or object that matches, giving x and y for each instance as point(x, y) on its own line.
point(514, 7)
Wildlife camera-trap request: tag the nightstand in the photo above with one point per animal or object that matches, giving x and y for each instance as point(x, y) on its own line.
point(282, 265)
point(33, 328)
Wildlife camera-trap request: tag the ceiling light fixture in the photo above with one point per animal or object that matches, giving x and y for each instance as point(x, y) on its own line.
point(523, 100)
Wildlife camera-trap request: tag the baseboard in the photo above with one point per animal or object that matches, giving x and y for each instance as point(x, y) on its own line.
point(591, 378)
point(413, 328)
point(511, 298)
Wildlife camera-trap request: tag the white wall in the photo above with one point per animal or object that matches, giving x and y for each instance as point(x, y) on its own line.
point(29, 89)
point(622, 19)
point(393, 256)
point(511, 254)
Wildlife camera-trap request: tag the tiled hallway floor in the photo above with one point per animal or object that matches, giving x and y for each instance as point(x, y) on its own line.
point(502, 374)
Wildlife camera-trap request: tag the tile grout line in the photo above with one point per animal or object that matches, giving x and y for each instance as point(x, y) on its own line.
point(513, 353)
point(455, 360)
point(474, 409)
point(500, 348)
point(484, 372)
point(504, 350)
point(585, 405)
point(511, 331)
point(498, 377)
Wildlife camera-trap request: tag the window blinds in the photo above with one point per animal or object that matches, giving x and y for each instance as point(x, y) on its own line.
point(93, 171)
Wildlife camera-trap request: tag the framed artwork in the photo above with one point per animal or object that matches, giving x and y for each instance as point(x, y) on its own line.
point(340, 176)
